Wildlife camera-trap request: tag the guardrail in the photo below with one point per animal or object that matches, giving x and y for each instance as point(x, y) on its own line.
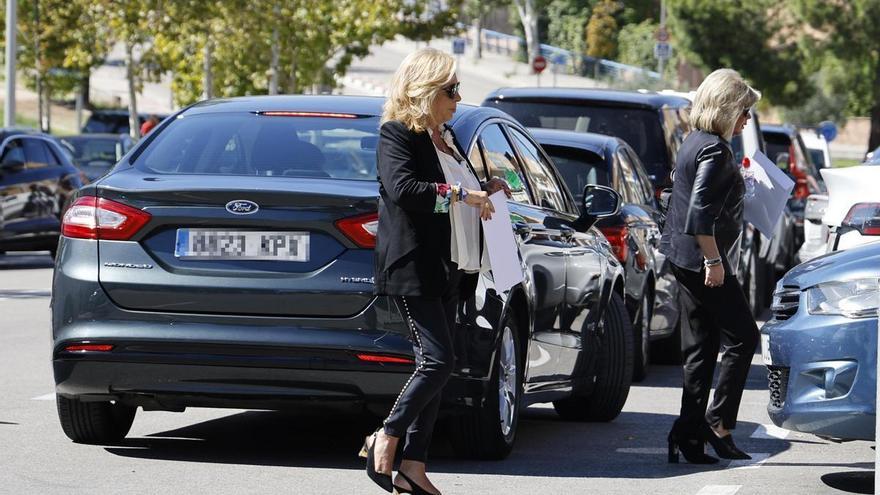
point(508, 44)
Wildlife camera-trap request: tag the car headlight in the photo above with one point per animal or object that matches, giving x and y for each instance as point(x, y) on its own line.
point(852, 299)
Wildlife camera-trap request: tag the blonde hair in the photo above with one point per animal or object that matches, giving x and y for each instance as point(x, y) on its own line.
point(720, 100)
point(415, 85)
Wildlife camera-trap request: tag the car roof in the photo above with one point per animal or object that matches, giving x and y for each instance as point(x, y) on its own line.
point(591, 141)
point(95, 135)
point(786, 129)
point(643, 99)
point(359, 105)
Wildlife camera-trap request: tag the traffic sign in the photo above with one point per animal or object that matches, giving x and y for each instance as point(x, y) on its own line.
point(458, 46)
point(539, 63)
point(662, 51)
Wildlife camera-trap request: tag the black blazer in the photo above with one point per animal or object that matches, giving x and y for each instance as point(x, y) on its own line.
point(707, 199)
point(412, 256)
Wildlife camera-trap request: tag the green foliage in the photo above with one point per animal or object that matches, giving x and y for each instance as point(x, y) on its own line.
point(751, 36)
point(567, 24)
point(635, 44)
point(602, 30)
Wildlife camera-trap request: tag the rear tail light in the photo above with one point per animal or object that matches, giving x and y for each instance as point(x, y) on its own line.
point(617, 237)
point(381, 358)
point(864, 217)
point(89, 348)
point(801, 186)
point(98, 218)
point(360, 229)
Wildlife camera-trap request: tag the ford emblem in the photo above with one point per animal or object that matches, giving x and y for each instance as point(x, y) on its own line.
point(242, 207)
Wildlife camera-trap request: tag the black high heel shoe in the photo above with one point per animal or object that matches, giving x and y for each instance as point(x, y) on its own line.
point(383, 480)
point(724, 446)
point(414, 489)
point(691, 448)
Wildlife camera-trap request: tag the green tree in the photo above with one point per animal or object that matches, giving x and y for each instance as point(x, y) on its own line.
point(602, 30)
point(756, 37)
point(567, 26)
point(635, 44)
point(849, 32)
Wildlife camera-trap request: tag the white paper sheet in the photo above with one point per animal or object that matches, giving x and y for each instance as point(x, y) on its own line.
point(772, 190)
point(503, 252)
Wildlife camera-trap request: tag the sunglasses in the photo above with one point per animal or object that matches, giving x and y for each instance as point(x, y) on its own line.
point(451, 90)
point(746, 112)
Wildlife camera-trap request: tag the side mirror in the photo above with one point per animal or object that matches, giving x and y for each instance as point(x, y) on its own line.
point(599, 202)
point(782, 161)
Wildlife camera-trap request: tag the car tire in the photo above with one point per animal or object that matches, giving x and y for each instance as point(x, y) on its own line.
point(489, 431)
point(94, 422)
point(613, 370)
point(642, 339)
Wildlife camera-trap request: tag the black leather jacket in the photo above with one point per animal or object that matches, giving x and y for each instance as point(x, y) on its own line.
point(707, 199)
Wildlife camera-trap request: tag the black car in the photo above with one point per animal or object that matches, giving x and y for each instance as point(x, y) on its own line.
point(95, 154)
point(37, 181)
point(227, 261)
point(651, 290)
point(653, 124)
point(113, 121)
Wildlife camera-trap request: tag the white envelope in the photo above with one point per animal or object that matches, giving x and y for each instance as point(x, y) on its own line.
point(772, 190)
point(503, 253)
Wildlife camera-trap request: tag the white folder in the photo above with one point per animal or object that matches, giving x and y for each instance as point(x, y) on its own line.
point(772, 190)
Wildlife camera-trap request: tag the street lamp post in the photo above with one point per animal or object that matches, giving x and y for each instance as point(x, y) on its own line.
point(9, 107)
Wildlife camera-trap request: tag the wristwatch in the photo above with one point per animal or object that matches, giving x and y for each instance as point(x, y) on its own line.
point(711, 262)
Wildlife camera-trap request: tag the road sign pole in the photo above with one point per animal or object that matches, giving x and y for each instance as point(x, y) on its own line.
point(9, 107)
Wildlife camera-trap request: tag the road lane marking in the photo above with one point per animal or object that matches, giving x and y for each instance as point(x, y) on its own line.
point(642, 450)
point(45, 397)
point(770, 431)
point(753, 463)
point(719, 490)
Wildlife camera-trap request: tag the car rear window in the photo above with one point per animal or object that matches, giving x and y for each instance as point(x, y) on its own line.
point(777, 143)
point(578, 168)
point(252, 144)
point(639, 127)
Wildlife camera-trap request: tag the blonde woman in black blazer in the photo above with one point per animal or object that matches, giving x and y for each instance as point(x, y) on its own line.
point(428, 241)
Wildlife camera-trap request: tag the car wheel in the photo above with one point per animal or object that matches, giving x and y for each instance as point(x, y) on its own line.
point(489, 431)
point(94, 422)
point(613, 370)
point(642, 339)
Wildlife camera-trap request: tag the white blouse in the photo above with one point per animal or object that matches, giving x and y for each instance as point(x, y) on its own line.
point(464, 219)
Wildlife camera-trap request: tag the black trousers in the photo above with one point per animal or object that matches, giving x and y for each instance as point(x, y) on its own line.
point(712, 317)
point(431, 321)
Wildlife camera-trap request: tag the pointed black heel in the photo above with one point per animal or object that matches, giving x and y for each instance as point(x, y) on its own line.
point(414, 489)
point(691, 448)
point(383, 480)
point(724, 446)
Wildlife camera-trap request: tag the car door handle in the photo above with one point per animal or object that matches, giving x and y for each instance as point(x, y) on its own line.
point(522, 229)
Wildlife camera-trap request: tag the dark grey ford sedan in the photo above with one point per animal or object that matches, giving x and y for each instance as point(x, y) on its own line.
point(227, 261)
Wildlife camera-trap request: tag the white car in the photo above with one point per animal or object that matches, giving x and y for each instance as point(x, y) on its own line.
point(853, 212)
point(818, 148)
point(815, 230)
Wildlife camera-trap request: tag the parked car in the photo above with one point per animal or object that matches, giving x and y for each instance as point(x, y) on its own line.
point(37, 181)
point(651, 291)
point(95, 154)
point(853, 212)
point(872, 158)
point(653, 124)
point(817, 147)
point(821, 345)
point(816, 232)
point(113, 121)
point(228, 262)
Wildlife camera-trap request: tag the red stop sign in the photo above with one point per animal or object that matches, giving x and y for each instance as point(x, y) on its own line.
point(539, 63)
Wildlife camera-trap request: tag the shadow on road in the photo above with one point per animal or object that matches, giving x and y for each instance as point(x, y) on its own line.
point(851, 482)
point(547, 446)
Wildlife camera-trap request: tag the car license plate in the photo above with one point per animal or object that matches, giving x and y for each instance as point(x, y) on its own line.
point(765, 349)
point(241, 245)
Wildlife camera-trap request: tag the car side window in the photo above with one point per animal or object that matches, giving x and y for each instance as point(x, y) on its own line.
point(52, 153)
point(501, 161)
point(13, 152)
point(35, 153)
point(628, 180)
point(476, 159)
point(645, 189)
point(547, 191)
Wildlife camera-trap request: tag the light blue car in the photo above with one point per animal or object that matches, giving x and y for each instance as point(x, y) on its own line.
point(821, 345)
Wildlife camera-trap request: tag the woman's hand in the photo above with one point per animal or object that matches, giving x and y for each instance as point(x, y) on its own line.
point(480, 199)
point(497, 184)
point(715, 275)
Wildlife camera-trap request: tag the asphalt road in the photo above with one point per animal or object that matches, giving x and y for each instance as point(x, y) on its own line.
point(237, 452)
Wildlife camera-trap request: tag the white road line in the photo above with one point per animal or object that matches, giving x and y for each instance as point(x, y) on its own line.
point(45, 397)
point(719, 490)
point(753, 463)
point(642, 450)
point(770, 431)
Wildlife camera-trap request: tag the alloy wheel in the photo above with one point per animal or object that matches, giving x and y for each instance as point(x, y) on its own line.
point(507, 374)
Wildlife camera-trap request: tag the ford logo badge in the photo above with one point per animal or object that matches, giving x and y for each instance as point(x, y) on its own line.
point(242, 207)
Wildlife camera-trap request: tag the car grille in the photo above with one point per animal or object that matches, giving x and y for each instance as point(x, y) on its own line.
point(785, 303)
point(778, 378)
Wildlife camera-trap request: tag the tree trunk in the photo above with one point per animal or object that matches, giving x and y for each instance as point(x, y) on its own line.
point(273, 69)
point(529, 18)
point(207, 70)
point(133, 121)
point(47, 108)
point(39, 83)
point(478, 37)
point(85, 85)
point(874, 136)
point(291, 83)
